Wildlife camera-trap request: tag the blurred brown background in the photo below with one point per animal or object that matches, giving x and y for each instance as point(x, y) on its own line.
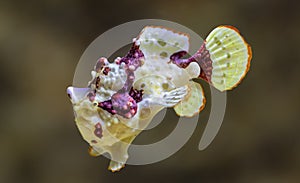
point(42, 41)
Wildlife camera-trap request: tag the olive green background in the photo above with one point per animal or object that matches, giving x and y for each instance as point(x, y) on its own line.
point(42, 41)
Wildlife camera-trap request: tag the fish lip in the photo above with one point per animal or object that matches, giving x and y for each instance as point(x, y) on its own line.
point(69, 92)
point(77, 94)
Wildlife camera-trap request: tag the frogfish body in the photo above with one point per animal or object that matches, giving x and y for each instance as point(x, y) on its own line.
point(123, 96)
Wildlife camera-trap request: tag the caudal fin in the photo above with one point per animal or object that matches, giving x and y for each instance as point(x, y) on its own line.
point(225, 58)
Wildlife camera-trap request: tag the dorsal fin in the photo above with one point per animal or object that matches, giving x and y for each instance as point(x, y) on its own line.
point(161, 42)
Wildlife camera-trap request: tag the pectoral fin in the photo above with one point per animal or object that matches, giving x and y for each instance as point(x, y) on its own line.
point(193, 102)
point(115, 166)
point(94, 152)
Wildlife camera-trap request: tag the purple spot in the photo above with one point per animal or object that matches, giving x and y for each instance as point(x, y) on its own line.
point(124, 102)
point(92, 95)
point(202, 57)
point(100, 64)
point(107, 105)
point(137, 95)
point(98, 130)
point(97, 82)
point(106, 70)
point(133, 57)
point(176, 59)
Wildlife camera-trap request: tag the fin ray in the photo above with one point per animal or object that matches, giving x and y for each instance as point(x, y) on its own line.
point(230, 55)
